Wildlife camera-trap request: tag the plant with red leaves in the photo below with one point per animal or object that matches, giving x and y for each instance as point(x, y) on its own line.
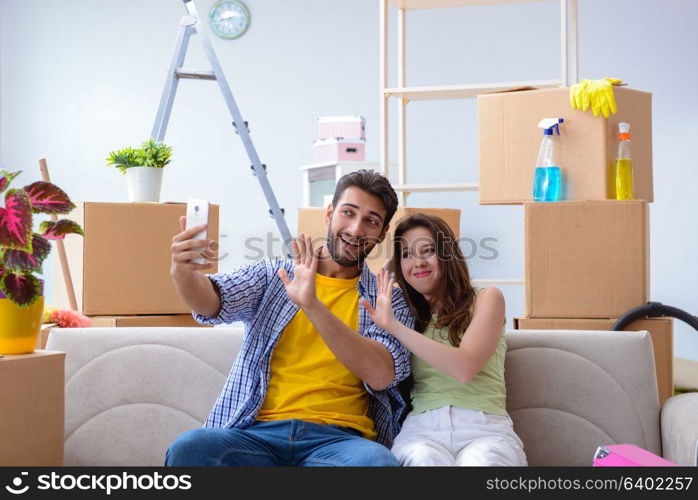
point(22, 251)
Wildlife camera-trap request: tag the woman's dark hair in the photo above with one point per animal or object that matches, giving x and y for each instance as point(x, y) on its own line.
point(454, 295)
point(373, 183)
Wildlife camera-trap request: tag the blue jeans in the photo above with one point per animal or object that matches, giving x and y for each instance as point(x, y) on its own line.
point(283, 442)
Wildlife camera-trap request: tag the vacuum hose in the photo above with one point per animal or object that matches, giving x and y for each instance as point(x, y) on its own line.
point(652, 310)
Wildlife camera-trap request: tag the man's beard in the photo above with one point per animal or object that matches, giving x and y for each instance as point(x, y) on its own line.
point(339, 258)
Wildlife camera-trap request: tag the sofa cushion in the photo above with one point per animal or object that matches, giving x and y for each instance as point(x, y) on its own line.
point(569, 392)
point(131, 391)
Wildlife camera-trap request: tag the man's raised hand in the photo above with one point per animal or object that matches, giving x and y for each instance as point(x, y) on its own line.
point(184, 249)
point(301, 290)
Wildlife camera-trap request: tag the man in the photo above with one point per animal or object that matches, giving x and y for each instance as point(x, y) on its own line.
point(315, 380)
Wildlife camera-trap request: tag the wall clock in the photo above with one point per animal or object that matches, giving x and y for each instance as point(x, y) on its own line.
point(229, 19)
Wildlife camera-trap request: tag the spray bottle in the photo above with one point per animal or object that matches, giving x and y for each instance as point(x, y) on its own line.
point(546, 180)
point(624, 165)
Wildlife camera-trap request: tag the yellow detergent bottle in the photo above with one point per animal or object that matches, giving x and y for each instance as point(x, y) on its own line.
point(624, 165)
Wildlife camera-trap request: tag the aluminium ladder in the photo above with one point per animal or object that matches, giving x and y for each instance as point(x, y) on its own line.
point(406, 94)
point(189, 25)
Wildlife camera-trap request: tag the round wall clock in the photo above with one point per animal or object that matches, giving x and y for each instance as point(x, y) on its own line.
point(229, 19)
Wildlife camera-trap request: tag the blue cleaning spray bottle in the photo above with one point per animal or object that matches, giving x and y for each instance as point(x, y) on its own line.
point(546, 180)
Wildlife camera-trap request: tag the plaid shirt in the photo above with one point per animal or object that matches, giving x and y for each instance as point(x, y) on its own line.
point(255, 295)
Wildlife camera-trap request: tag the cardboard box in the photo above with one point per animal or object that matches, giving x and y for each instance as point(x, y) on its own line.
point(509, 138)
point(32, 410)
point(43, 335)
point(586, 259)
point(660, 329)
point(174, 320)
point(311, 221)
point(122, 265)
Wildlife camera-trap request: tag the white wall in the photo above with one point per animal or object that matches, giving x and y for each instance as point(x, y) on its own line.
point(79, 78)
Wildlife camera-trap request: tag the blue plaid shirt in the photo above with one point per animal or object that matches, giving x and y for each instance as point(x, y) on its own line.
point(255, 295)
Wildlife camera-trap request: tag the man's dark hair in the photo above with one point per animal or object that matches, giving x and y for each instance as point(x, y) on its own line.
point(373, 183)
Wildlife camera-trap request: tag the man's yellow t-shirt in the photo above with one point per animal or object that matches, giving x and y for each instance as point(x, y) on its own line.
point(307, 381)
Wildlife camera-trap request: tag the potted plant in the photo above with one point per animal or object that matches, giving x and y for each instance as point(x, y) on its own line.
point(143, 169)
point(22, 252)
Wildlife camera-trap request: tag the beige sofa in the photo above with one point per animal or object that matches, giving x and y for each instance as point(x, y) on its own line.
point(130, 391)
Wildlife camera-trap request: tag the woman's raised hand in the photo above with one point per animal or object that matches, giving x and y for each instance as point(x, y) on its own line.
point(382, 315)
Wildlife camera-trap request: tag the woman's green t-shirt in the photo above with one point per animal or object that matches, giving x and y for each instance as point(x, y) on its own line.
point(434, 389)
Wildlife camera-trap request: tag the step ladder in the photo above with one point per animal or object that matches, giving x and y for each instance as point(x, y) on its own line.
point(406, 94)
point(190, 25)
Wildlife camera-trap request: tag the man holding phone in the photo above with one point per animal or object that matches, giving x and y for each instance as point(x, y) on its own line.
point(315, 380)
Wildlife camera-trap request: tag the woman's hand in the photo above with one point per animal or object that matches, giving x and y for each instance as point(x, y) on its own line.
point(301, 290)
point(383, 315)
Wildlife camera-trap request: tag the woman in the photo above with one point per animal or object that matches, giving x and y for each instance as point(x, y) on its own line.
point(459, 412)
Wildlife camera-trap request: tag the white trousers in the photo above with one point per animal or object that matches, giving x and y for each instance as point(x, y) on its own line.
point(451, 436)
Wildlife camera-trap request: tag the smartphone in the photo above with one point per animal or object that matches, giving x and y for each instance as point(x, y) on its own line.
point(197, 214)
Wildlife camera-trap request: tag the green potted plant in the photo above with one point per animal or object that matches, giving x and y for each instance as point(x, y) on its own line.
point(22, 252)
point(143, 169)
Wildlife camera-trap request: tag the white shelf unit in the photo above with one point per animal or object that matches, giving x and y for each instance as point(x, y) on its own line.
point(460, 91)
point(435, 188)
point(438, 4)
point(405, 94)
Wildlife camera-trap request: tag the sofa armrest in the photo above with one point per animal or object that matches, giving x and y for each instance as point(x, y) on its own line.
point(680, 429)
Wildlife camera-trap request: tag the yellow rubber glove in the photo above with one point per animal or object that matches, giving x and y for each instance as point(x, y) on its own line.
point(595, 93)
point(578, 93)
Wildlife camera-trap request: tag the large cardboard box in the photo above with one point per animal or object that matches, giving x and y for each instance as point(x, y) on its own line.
point(173, 320)
point(660, 329)
point(509, 138)
point(311, 221)
point(122, 265)
point(586, 259)
point(32, 411)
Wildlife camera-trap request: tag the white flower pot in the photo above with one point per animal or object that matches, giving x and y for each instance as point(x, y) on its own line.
point(144, 184)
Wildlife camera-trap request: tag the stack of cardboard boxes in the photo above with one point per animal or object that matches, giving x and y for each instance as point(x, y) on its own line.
point(587, 258)
point(121, 267)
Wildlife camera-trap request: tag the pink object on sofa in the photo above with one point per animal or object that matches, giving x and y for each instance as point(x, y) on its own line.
point(348, 127)
point(336, 150)
point(628, 455)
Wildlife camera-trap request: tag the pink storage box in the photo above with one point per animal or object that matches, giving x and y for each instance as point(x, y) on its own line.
point(347, 127)
point(628, 455)
point(338, 150)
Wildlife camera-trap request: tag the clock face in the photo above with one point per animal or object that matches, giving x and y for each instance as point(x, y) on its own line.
point(229, 19)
